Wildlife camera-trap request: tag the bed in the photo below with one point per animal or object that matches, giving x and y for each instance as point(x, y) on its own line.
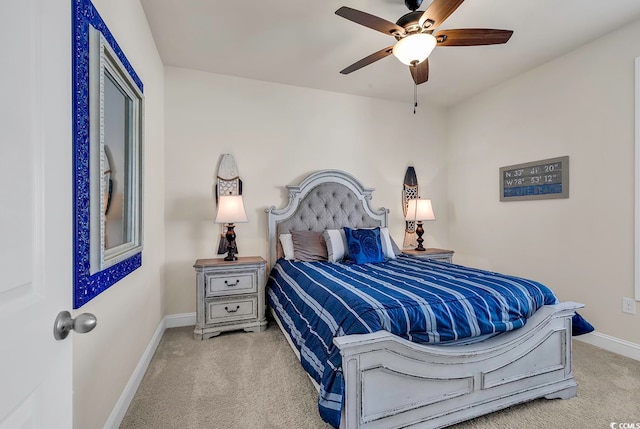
point(382, 380)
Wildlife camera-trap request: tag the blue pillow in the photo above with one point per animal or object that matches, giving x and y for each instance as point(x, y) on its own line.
point(580, 326)
point(365, 245)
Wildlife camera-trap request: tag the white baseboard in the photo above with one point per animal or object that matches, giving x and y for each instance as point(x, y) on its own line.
point(179, 320)
point(612, 344)
point(121, 407)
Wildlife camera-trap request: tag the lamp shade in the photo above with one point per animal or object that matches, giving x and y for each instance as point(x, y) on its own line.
point(231, 209)
point(420, 210)
point(414, 48)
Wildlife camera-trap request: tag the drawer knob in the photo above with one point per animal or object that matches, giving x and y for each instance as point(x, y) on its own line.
point(232, 284)
point(232, 311)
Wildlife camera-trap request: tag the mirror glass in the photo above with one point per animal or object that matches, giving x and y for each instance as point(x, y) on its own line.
point(108, 105)
point(116, 105)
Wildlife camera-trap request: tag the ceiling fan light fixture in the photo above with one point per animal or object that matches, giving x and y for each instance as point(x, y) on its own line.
point(415, 48)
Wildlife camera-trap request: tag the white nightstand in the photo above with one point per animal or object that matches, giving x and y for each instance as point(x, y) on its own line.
point(230, 296)
point(431, 253)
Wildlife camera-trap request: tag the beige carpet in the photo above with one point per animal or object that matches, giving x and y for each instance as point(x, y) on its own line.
point(254, 381)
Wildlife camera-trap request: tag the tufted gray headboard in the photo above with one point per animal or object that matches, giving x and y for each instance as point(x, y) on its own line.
point(327, 199)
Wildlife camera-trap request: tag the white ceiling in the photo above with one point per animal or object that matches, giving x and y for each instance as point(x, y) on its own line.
point(303, 43)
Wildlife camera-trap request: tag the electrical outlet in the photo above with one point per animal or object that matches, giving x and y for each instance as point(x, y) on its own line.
point(628, 306)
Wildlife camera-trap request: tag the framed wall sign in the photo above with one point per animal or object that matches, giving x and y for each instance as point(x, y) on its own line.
point(108, 109)
point(537, 180)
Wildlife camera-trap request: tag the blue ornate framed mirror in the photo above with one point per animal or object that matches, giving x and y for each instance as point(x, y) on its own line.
point(108, 108)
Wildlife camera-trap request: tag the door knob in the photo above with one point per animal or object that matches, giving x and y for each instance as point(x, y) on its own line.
point(82, 324)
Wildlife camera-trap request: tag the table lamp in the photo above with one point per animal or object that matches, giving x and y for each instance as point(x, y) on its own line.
point(419, 210)
point(230, 212)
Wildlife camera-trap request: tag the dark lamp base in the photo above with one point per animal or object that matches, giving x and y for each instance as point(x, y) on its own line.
point(231, 247)
point(419, 232)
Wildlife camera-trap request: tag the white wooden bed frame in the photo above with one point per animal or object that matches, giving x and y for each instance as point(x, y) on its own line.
point(391, 382)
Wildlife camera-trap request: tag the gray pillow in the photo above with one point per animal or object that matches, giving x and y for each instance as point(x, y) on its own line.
point(308, 246)
point(336, 241)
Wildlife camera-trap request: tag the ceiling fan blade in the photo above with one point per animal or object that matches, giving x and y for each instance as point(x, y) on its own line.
point(368, 60)
point(420, 73)
point(472, 37)
point(371, 21)
point(438, 11)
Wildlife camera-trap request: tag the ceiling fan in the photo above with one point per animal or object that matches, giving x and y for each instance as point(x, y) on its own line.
point(416, 37)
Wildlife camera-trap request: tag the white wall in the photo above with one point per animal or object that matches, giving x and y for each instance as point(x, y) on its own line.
point(580, 105)
point(128, 312)
point(277, 135)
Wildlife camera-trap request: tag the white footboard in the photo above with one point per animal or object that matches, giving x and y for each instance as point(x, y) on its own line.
point(391, 382)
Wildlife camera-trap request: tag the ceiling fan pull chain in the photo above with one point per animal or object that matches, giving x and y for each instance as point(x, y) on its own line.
point(415, 96)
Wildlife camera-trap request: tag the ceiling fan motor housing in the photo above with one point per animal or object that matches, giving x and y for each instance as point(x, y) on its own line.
point(411, 22)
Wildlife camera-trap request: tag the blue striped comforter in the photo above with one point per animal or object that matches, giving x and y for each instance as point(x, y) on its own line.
point(419, 300)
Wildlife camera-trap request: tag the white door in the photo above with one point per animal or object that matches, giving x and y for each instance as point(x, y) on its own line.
point(35, 212)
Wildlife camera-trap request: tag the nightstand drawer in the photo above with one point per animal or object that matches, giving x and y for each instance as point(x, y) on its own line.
point(231, 283)
point(446, 258)
point(231, 310)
